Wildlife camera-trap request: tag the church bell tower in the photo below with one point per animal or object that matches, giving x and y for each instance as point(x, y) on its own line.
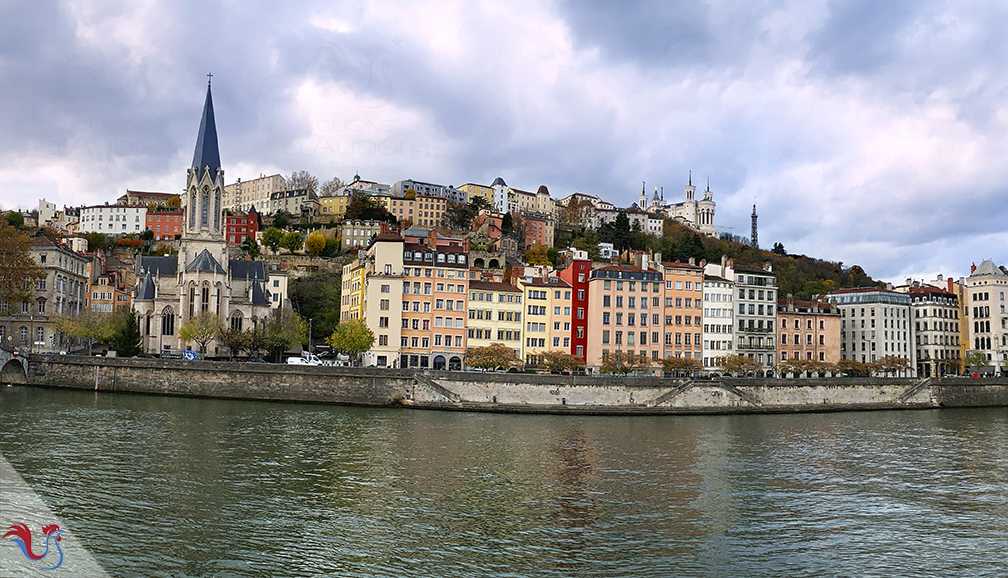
point(205, 182)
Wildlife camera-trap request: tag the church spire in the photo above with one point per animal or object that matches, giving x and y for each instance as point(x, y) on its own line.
point(207, 155)
point(753, 237)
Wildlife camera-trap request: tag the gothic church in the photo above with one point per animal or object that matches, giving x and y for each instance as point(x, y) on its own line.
point(172, 289)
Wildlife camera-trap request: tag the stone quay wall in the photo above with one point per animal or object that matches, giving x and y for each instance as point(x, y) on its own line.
point(508, 392)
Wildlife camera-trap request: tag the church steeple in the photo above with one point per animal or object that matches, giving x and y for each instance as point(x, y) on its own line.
point(753, 237)
point(207, 155)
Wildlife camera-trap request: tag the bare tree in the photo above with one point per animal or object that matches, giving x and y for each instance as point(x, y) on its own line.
point(330, 187)
point(302, 180)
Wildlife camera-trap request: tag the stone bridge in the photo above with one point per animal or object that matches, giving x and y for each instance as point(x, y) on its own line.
point(13, 367)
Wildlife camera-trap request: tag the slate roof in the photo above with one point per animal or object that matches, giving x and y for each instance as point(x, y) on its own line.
point(242, 269)
point(258, 296)
point(498, 181)
point(146, 292)
point(207, 155)
point(987, 267)
point(205, 262)
point(165, 266)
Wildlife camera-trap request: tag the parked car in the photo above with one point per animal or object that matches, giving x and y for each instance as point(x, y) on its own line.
point(256, 360)
point(305, 359)
point(143, 356)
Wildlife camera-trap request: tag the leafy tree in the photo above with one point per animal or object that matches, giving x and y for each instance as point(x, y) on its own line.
point(281, 219)
point(553, 256)
point(250, 247)
point(234, 341)
point(493, 356)
point(88, 325)
point(96, 241)
point(739, 365)
point(587, 241)
point(272, 238)
point(284, 330)
point(147, 235)
point(477, 204)
point(16, 266)
point(332, 247)
point(315, 243)
point(15, 219)
point(174, 202)
point(317, 297)
point(127, 339)
point(202, 329)
point(351, 337)
point(302, 180)
point(975, 360)
point(680, 366)
point(624, 363)
point(362, 208)
point(507, 224)
point(778, 248)
point(537, 255)
point(292, 241)
point(556, 360)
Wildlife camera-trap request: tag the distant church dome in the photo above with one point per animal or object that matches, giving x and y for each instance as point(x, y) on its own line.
point(542, 190)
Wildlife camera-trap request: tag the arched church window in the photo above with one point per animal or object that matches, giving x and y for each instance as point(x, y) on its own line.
point(205, 295)
point(192, 300)
point(236, 321)
point(192, 210)
point(167, 321)
point(205, 209)
point(216, 211)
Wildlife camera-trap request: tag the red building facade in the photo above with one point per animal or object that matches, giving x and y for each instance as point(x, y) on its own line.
point(240, 226)
point(576, 275)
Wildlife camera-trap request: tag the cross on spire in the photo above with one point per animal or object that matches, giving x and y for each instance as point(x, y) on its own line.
point(209, 78)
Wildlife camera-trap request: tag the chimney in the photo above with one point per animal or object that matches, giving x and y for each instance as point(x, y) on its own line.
point(972, 268)
point(644, 262)
point(657, 257)
point(950, 288)
point(724, 264)
point(383, 228)
point(692, 261)
point(940, 279)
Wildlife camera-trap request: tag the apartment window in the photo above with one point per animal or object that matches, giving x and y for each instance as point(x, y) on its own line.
point(384, 304)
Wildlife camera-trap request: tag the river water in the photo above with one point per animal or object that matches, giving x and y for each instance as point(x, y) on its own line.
point(160, 486)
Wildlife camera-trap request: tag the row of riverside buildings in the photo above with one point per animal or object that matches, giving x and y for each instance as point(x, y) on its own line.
point(429, 299)
point(427, 305)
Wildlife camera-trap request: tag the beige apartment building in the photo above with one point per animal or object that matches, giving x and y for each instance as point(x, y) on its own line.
point(243, 195)
point(421, 210)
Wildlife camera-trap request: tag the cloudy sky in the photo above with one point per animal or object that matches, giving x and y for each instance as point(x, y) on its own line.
point(872, 133)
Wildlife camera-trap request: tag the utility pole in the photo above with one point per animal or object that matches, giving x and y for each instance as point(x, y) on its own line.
point(310, 319)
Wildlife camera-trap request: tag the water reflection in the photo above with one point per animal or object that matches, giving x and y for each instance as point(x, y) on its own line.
point(181, 487)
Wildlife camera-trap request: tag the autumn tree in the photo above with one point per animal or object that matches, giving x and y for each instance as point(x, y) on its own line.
point(315, 243)
point(739, 365)
point(201, 329)
point(624, 363)
point(577, 213)
point(352, 337)
point(556, 360)
point(302, 180)
point(174, 202)
point(18, 271)
point(537, 255)
point(852, 367)
point(891, 364)
point(362, 208)
point(491, 357)
point(680, 366)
